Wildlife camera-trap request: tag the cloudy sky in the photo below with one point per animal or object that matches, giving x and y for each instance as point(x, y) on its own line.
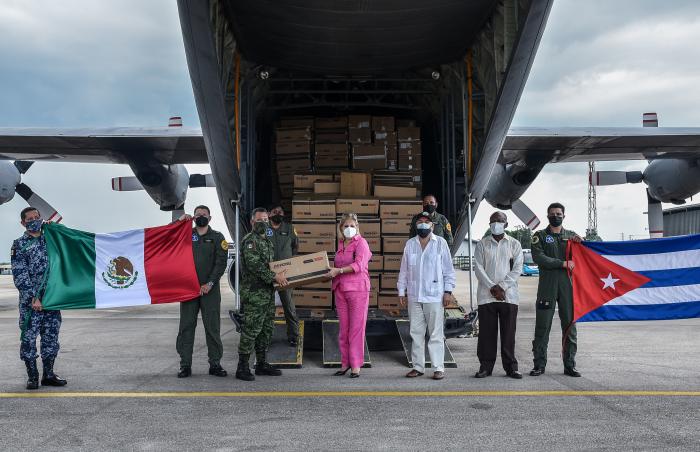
point(98, 64)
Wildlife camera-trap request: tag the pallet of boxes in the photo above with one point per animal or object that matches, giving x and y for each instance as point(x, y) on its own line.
point(358, 168)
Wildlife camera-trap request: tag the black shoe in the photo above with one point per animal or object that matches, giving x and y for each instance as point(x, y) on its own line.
point(265, 368)
point(32, 375)
point(354, 375)
point(49, 378)
point(515, 374)
point(572, 372)
point(185, 371)
point(482, 373)
point(537, 371)
point(243, 370)
point(217, 371)
point(340, 373)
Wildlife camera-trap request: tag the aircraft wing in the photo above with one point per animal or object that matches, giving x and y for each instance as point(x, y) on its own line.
point(167, 145)
point(584, 144)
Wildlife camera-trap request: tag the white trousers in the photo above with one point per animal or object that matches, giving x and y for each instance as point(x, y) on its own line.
point(430, 317)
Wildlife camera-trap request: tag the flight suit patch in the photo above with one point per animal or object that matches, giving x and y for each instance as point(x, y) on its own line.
point(448, 226)
point(535, 238)
point(208, 240)
point(195, 237)
point(224, 245)
point(269, 233)
point(549, 239)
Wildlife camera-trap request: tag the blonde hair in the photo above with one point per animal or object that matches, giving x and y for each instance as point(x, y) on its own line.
point(346, 217)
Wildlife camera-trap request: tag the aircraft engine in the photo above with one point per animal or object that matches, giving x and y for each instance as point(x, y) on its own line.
point(506, 186)
point(11, 183)
point(667, 180)
point(165, 184)
point(9, 179)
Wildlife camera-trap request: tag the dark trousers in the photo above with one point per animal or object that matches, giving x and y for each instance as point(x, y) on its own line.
point(290, 313)
point(490, 316)
point(210, 305)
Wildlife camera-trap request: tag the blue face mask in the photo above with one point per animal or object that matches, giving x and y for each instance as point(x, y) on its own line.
point(34, 225)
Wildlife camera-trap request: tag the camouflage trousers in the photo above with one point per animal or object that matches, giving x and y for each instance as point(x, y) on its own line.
point(259, 317)
point(42, 323)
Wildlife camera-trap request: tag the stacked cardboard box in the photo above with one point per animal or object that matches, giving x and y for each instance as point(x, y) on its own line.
point(384, 133)
point(409, 153)
point(293, 148)
point(314, 223)
point(384, 199)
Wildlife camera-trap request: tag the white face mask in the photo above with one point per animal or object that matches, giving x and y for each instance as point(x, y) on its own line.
point(497, 228)
point(350, 232)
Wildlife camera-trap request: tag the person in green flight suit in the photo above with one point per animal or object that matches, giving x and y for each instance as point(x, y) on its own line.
point(441, 227)
point(285, 240)
point(210, 250)
point(554, 289)
point(257, 296)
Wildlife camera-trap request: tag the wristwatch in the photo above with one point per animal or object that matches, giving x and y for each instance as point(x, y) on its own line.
point(448, 292)
point(341, 270)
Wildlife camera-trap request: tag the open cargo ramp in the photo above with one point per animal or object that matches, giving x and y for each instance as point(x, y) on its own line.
point(331, 349)
point(403, 326)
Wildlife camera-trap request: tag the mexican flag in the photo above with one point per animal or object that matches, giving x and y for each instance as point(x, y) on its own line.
point(130, 268)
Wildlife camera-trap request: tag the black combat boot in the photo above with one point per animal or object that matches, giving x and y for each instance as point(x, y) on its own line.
point(216, 370)
point(32, 375)
point(262, 367)
point(50, 378)
point(243, 370)
point(185, 371)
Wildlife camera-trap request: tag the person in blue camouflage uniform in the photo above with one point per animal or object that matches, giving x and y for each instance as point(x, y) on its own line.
point(29, 266)
point(258, 297)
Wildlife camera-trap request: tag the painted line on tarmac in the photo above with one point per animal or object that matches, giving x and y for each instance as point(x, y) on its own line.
point(289, 394)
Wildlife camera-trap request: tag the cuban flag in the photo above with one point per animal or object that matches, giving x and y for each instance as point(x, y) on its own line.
point(655, 279)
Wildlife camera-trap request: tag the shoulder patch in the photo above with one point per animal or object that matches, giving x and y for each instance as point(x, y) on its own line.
point(13, 250)
point(224, 245)
point(251, 245)
point(295, 231)
point(535, 238)
point(448, 226)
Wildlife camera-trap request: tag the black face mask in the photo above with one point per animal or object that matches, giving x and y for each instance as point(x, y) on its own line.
point(201, 221)
point(555, 221)
point(277, 219)
point(260, 227)
point(429, 208)
point(424, 232)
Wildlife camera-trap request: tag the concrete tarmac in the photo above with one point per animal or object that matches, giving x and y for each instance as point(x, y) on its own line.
point(640, 390)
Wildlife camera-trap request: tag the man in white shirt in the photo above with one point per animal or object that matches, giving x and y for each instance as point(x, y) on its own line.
point(498, 262)
point(428, 278)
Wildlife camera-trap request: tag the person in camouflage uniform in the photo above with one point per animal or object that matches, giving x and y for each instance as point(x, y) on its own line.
point(554, 289)
point(30, 263)
point(441, 226)
point(257, 296)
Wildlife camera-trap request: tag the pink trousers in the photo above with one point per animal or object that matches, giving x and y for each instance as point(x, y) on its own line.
point(351, 308)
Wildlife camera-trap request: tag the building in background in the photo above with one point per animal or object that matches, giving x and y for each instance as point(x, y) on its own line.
point(682, 220)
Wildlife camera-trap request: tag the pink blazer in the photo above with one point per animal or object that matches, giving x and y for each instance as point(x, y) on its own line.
point(357, 255)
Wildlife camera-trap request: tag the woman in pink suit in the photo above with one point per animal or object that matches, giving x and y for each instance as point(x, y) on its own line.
point(351, 287)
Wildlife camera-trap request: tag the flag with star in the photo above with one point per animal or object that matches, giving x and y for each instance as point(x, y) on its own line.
point(657, 279)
